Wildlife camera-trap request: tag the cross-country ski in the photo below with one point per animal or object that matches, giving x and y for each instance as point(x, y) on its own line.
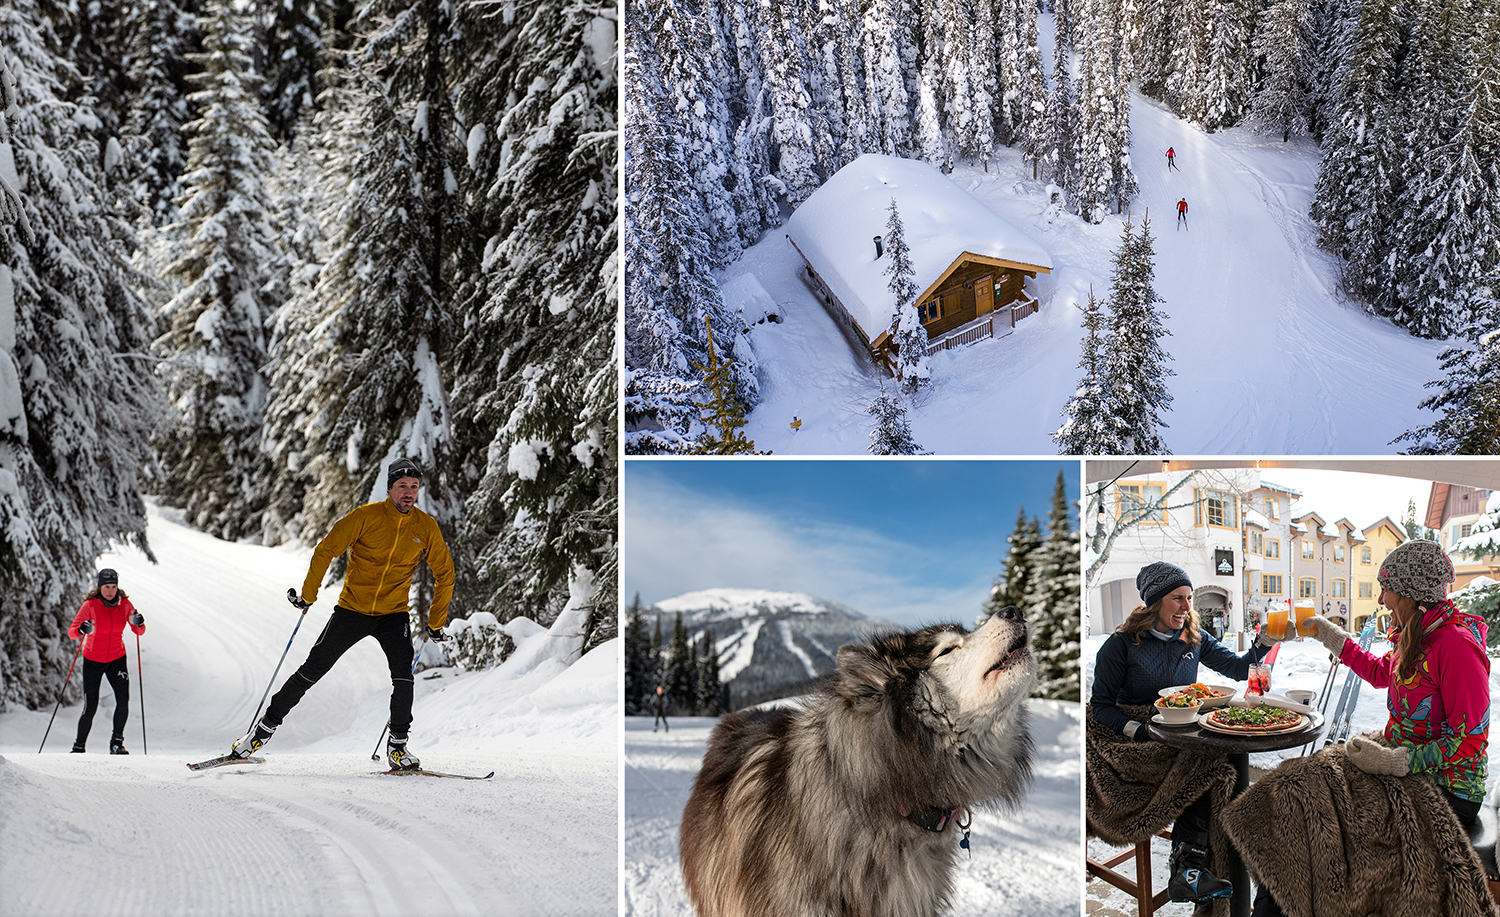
point(424, 772)
point(223, 760)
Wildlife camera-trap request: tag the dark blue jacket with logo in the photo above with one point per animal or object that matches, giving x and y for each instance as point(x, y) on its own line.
point(1133, 673)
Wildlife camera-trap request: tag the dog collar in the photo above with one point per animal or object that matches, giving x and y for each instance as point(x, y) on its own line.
point(934, 820)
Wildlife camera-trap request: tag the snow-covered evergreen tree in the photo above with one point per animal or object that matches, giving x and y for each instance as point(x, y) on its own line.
point(1282, 102)
point(799, 129)
point(881, 48)
point(226, 262)
point(294, 52)
point(1135, 363)
point(1017, 570)
point(1229, 62)
point(1186, 84)
point(536, 405)
point(77, 397)
point(1088, 427)
point(164, 33)
point(1051, 606)
point(856, 107)
point(1057, 162)
point(908, 336)
point(1468, 397)
point(892, 432)
point(932, 147)
point(1027, 100)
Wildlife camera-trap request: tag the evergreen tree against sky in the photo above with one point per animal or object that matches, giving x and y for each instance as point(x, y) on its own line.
point(537, 395)
point(1135, 363)
point(1018, 569)
point(638, 667)
point(226, 261)
point(78, 398)
point(680, 674)
point(1051, 605)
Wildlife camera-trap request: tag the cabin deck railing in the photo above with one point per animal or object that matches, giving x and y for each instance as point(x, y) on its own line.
point(992, 324)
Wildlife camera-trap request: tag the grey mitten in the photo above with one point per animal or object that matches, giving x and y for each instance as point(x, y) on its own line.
point(1329, 634)
point(1266, 638)
point(1374, 758)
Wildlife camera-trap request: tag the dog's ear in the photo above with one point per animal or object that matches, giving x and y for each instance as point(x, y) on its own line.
point(862, 672)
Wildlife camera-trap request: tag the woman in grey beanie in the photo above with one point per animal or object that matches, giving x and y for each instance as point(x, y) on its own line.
point(1160, 645)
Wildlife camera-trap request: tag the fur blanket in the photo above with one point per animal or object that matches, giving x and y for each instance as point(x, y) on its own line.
point(1333, 841)
point(1137, 789)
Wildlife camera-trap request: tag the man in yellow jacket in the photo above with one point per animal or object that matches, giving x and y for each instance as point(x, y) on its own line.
point(385, 541)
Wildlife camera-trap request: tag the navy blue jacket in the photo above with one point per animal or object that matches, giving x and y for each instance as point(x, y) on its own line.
point(1133, 673)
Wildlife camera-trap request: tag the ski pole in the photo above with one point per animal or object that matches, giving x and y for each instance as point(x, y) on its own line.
point(375, 755)
point(60, 697)
point(291, 596)
point(140, 681)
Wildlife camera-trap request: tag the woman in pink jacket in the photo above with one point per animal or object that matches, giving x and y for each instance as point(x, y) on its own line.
point(100, 623)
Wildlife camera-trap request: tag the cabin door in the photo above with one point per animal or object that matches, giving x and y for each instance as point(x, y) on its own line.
point(984, 294)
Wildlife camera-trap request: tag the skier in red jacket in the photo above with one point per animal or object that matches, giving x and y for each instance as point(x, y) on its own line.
point(1182, 212)
point(1171, 159)
point(100, 623)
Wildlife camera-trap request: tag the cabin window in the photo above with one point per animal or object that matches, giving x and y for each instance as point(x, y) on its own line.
point(929, 311)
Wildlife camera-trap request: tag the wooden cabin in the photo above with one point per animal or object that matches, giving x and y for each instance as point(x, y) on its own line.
point(969, 263)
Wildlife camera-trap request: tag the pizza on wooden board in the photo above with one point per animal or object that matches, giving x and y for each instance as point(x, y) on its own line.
point(1262, 718)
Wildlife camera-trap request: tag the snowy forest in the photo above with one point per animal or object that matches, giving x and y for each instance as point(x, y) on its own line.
point(251, 251)
point(739, 110)
point(1040, 574)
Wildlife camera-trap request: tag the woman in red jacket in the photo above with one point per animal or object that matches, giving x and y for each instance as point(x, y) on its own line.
point(101, 623)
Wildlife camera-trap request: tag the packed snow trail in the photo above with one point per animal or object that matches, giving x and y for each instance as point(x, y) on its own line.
point(1269, 360)
point(316, 830)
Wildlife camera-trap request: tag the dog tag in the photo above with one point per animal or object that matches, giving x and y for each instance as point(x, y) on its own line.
point(964, 826)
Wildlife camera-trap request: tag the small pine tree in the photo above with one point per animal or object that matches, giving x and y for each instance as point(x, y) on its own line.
point(637, 660)
point(892, 433)
point(907, 333)
point(1468, 397)
point(710, 699)
point(1051, 602)
point(1135, 362)
point(681, 676)
point(1016, 573)
point(723, 410)
point(1087, 428)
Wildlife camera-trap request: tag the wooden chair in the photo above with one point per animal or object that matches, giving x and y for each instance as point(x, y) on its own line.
point(1140, 888)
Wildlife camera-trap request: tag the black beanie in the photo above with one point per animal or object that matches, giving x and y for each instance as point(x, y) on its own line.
point(401, 468)
point(1156, 580)
point(107, 577)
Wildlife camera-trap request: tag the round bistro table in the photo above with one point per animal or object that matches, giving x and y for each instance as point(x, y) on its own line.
point(1238, 748)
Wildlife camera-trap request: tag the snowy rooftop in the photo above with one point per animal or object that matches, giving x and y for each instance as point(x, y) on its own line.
point(1254, 517)
point(1279, 488)
point(835, 227)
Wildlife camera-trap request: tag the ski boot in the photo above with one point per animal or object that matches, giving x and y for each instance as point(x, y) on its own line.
point(117, 747)
point(1190, 881)
point(398, 757)
point(77, 748)
point(252, 740)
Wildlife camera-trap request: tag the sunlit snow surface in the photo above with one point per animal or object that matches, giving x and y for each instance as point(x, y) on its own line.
point(315, 831)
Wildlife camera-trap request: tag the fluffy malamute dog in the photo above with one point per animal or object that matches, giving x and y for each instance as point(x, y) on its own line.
point(842, 808)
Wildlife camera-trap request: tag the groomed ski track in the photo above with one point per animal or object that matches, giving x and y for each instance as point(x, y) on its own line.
point(316, 831)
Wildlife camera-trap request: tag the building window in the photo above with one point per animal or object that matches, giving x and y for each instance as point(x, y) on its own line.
point(1247, 583)
point(1132, 498)
point(1364, 555)
point(1309, 551)
point(1465, 530)
point(1366, 589)
point(1273, 548)
point(1273, 508)
point(1338, 553)
point(1216, 508)
point(1340, 589)
point(1270, 583)
point(1307, 588)
point(929, 311)
point(1257, 543)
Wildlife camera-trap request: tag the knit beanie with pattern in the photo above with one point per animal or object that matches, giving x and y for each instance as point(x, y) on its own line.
point(1156, 580)
point(1417, 570)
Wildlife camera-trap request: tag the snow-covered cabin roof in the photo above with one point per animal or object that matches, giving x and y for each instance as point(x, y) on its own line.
point(834, 229)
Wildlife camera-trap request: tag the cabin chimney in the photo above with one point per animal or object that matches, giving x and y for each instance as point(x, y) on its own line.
point(878, 249)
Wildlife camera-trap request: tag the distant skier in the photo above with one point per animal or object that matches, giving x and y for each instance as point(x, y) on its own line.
point(100, 623)
point(385, 541)
point(1182, 213)
point(659, 706)
point(796, 423)
point(1172, 159)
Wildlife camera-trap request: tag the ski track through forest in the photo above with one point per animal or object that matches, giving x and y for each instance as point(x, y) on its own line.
point(1269, 359)
point(316, 830)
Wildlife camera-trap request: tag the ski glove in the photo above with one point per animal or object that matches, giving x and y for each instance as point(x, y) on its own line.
point(436, 634)
point(138, 619)
point(295, 599)
point(87, 627)
point(1374, 758)
point(1329, 634)
point(1266, 638)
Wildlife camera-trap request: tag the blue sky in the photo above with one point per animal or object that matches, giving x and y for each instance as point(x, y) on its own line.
point(911, 541)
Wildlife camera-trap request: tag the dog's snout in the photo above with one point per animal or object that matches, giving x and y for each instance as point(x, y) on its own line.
point(1009, 613)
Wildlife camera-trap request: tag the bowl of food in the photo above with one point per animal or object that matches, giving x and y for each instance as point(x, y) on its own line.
point(1211, 696)
point(1180, 708)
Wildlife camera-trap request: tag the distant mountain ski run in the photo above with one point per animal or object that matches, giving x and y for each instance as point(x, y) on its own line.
point(766, 639)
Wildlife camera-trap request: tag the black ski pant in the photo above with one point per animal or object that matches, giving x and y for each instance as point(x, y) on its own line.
point(344, 629)
point(118, 673)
